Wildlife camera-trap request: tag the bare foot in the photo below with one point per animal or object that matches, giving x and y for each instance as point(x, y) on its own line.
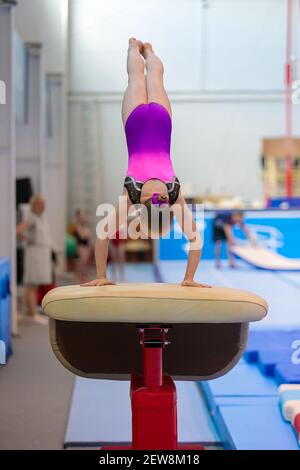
point(146, 49)
point(136, 43)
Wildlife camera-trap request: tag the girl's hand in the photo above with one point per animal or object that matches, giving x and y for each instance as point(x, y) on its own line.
point(99, 282)
point(193, 284)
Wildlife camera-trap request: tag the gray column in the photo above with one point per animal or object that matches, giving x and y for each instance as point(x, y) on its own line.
point(55, 161)
point(7, 145)
point(30, 144)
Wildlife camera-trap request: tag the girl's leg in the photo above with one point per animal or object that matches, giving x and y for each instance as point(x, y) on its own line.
point(136, 92)
point(155, 78)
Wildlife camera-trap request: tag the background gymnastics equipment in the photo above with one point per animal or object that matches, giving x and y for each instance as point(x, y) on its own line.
point(290, 405)
point(95, 332)
point(263, 258)
point(274, 163)
point(282, 179)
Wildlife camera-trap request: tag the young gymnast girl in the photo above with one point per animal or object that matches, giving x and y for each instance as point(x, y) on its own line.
point(150, 178)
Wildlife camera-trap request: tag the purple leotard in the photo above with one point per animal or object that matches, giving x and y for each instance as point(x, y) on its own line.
point(148, 134)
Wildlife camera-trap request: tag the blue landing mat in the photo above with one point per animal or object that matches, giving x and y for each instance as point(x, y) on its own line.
point(274, 341)
point(268, 359)
point(100, 414)
point(273, 353)
point(264, 429)
point(234, 401)
point(244, 380)
point(287, 374)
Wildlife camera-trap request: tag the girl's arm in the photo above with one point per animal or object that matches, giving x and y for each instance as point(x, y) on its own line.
point(101, 249)
point(188, 225)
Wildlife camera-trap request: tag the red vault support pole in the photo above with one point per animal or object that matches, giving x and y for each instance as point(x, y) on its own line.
point(153, 399)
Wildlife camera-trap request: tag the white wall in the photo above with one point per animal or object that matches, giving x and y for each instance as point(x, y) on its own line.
point(224, 70)
point(56, 161)
point(245, 44)
point(228, 45)
point(30, 130)
point(99, 32)
point(44, 21)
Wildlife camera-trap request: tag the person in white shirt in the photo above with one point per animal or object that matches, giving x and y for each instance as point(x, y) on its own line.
point(35, 231)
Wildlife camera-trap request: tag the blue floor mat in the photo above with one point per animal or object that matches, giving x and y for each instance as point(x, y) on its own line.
point(268, 359)
point(244, 380)
point(274, 341)
point(287, 374)
point(291, 278)
point(243, 429)
point(100, 414)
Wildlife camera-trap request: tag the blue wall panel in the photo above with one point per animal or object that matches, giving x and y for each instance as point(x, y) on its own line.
point(277, 230)
point(5, 305)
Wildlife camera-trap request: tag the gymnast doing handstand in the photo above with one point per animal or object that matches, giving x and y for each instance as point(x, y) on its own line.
point(150, 179)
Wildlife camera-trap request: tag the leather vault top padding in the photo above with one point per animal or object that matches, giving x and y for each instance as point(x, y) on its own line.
point(153, 303)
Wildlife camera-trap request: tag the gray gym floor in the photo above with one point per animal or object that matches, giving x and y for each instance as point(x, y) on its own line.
point(35, 393)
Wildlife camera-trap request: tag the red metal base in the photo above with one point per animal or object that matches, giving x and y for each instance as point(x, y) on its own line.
point(180, 447)
point(153, 400)
point(154, 415)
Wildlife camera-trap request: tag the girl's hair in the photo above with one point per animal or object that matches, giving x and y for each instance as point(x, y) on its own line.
point(158, 200)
